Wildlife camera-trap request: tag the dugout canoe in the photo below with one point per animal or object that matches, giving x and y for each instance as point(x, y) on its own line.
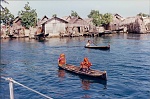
point(94, 74)
point(40, 36)
point(98, 47)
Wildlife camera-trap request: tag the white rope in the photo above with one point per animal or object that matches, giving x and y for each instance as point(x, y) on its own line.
point(10, 79)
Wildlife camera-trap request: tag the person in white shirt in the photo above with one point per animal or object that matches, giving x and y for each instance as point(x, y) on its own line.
point(88, 43)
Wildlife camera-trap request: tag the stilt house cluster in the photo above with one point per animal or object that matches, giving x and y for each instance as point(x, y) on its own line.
point(77, 26)
point(135, 24)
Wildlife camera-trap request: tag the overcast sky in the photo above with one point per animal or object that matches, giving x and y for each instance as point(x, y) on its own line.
point(125, 8)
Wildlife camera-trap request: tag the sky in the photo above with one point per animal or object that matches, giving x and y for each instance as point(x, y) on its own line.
point(125, 8)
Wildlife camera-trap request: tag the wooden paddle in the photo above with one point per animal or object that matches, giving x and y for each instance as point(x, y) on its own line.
point(94, 43)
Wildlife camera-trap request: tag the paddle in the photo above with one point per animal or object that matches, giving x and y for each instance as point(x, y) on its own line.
point(94, 43)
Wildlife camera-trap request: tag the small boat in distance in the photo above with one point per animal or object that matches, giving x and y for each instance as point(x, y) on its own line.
point(12, 36)
point(40, 36)
point(93, 74)
point(98, 47)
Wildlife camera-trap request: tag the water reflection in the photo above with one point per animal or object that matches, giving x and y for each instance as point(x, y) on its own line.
point(85, 81)
point(136, 36)
point(61, 73)
point(85, 84)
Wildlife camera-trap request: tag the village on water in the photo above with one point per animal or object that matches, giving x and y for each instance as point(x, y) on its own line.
point(36, 64)
point(70, 25)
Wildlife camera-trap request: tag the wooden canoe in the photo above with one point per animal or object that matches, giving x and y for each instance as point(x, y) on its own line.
point(94, 74)
point(41, 36)
point(98, 47)
point(61, 74)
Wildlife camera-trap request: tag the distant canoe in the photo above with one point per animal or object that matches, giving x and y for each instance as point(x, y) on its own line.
point(11, 36)
point(94, 74)
point(40, 36)
point(98, 47)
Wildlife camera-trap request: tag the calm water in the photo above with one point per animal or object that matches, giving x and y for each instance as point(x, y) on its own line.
point(34, 64)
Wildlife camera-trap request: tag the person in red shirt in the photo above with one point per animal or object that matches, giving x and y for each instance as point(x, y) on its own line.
point(85, 65)
point(62, 60)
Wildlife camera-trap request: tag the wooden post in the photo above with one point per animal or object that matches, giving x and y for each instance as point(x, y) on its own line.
point(11, 89)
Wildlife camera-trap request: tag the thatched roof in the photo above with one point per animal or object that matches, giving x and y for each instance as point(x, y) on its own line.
point(117, 19)
point(88, 20)
point(44, 17)
point(75, 20)
point(66, 18)
point(118, 16)
point(43, 20)
point(129, 20)
point(146, 20)
point(55, 18)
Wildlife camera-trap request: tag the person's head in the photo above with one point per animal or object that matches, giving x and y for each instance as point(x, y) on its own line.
point(86, 59)
point(89, 41)
point(62, 55)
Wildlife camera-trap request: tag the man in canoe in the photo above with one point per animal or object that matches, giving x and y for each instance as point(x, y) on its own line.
point(39, 30)
point(88, 43)
point(62, 60)
point(85, 65)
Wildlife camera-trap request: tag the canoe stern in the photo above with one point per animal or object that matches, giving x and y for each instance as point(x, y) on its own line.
point(104, 76)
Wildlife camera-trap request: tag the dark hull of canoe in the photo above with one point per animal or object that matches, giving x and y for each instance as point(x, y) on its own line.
point(40, 35)
point(91, 74)
point(98, 47)
point(88, 79)
point(12, 36)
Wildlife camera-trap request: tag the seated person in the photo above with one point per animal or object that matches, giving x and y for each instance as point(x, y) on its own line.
point(39, 30)
point(88, 43)
point(62, 60)
point(85, 65)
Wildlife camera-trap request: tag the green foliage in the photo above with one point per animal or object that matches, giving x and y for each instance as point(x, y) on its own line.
point(143, 15)
point(106, 18)
point(100, 19)
point(54, 15)
point(74, 13)
point(6, 17)
point(96, 16)
point(28, 16)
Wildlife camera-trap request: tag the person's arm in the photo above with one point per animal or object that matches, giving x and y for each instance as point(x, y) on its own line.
point(59, 60)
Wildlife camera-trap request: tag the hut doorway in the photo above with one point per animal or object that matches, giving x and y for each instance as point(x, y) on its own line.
point(78, 29)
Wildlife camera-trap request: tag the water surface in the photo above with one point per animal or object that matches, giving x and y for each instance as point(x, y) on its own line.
point(34, 64)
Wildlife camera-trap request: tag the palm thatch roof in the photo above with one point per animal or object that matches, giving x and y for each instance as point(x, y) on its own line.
point(77, 21)
point(67, 18)
point(43, 20)
point(88, 20)
point(129, 20)
point(55, 18)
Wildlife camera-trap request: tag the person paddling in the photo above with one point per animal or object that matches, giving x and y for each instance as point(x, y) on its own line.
point(88, 43)
point(85, 65)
